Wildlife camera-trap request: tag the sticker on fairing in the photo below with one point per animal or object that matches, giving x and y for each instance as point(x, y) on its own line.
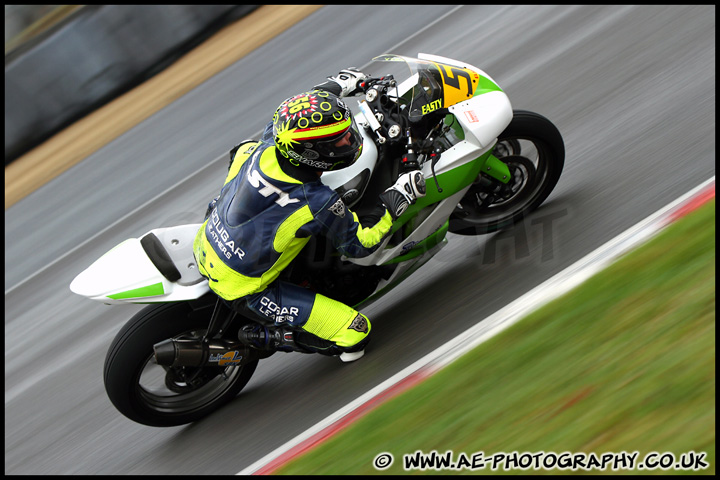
point(229, 358)
point(459, 84)
point(149, 291)
point(472, 118)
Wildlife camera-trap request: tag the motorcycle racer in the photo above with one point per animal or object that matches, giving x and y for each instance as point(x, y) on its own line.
point(272, 202)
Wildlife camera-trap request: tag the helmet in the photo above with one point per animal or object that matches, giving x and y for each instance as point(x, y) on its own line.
point(317, 130)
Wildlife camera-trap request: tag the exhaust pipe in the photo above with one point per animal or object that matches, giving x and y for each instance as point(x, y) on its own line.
point(196, 353)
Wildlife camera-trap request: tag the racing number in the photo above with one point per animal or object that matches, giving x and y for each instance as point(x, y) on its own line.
point(298, 105)
point(454, 80)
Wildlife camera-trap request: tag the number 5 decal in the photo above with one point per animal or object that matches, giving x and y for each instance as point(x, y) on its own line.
point(451, 78)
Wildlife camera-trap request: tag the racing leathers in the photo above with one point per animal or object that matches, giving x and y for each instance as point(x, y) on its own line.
point(267, 211)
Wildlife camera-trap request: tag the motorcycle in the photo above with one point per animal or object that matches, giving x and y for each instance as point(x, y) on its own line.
point(486, 167)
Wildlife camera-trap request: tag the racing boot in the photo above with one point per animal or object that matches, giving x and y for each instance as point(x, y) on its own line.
point(314, 344)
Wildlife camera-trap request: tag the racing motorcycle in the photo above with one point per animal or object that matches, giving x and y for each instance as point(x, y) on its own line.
point(486, 167)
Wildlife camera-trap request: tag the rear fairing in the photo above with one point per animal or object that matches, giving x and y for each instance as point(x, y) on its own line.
point(126, 274)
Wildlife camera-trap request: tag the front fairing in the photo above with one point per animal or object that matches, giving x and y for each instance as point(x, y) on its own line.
point(423, 86)
point(428, 85)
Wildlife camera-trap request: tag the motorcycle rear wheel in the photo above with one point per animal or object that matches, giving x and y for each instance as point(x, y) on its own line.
point(535, 152)
point(166, 396)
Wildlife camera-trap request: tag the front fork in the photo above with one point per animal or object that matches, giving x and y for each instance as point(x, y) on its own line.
point(496, 169)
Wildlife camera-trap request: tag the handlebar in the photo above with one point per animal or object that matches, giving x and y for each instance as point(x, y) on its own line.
point(384, 117)
point(386, 81)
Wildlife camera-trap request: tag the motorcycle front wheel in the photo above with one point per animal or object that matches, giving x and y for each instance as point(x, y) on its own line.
point(159, 396)
point(533, 149)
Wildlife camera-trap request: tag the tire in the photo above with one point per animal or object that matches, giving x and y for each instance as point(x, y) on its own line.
point(534, 149)
point(130, 370)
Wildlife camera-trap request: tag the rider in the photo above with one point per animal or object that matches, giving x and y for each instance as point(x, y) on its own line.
point(270, 205)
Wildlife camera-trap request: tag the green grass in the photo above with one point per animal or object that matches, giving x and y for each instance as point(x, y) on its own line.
point(625, 362)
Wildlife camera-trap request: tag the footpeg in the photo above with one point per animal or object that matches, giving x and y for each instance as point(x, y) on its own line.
point(264, 338)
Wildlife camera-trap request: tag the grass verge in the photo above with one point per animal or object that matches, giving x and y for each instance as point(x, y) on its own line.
point(623, 363)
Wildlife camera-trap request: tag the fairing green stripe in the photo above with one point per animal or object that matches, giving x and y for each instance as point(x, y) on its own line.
point(450, 183)
point(485, 85)
point(149, 291)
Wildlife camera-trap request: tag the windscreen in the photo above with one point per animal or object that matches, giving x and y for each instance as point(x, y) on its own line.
point(425, 86)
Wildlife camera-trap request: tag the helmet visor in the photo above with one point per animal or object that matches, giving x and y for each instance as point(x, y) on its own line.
point(343, 149)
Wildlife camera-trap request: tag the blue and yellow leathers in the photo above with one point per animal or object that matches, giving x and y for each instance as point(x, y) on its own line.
point(257, 226)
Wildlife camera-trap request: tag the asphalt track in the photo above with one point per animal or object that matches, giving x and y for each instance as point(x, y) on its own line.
point(632, 89)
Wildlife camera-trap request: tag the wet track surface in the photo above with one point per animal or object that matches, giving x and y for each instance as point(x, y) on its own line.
point(631, 88)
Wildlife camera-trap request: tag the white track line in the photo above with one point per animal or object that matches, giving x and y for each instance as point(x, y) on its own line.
point(549, 290)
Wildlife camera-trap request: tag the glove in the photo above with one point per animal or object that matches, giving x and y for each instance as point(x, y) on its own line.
point(348, 80)
point(407, 189)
